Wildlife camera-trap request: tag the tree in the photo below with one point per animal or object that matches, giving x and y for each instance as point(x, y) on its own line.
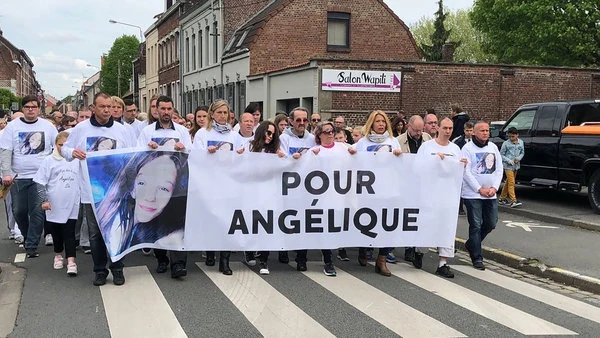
point(117, 68)
point(439, 37)
point(68, 99)
point(469, 48)
point(540, 32)
point(7, 98)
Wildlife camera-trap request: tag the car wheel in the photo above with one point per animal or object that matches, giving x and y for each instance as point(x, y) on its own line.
point(594, 191)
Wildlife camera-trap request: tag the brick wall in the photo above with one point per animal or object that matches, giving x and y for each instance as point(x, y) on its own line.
point(375, 33)
point(486, 92)
point(236, 12)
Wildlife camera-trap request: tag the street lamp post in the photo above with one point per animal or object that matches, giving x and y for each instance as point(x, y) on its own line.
point(128, 24)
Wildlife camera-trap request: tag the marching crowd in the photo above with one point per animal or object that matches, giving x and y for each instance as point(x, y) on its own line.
point(41, 162)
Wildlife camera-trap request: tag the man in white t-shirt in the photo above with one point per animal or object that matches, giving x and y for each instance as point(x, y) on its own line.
point(162, 132)
point(84, 138)
point(26, 141)
point(129, 117)
point(246, 132)
point(444, 149)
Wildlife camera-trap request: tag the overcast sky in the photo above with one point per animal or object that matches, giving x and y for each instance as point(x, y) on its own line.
point(63, 36)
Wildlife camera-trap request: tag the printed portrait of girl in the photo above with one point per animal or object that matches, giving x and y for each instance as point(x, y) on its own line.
point(146, 202)
point(32, 143)
point(100, 143)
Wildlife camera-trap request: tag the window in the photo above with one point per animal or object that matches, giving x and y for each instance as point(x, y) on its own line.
point(187, 53)
point(545, 123)
point(581, 113)
point(207, 42)
point(338, 31)
point(523, 121)
point(200, 48)
point(194, 52)
point(215, 42)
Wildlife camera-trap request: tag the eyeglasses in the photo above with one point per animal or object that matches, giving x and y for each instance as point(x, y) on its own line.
point(301, 120)
point(316, 120)
point(327, 132)
point(30, 107)
point(269, 133)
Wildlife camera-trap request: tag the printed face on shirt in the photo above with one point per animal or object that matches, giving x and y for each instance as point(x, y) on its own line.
point(221, 145)
point(486, 163)
point(165, 141)
point(383, 148)
point(153, 188)
point(31, 143)
point(98, 143)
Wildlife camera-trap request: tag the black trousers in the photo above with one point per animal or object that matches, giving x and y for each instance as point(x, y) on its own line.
point(177, 257)
point(63, 236)
point(301, 256)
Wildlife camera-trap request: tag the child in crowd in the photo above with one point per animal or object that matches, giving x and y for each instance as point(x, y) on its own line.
point(61, 202)
point(512, 152)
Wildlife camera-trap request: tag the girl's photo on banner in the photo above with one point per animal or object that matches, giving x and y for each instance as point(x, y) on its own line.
point(140, 199)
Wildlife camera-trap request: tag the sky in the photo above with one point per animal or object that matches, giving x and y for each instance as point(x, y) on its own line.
point(65, 38)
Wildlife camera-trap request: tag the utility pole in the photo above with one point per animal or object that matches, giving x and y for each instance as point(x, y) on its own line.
point(119, 77)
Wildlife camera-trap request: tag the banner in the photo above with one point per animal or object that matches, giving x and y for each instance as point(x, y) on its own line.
point(360, 80)
point(257, 201)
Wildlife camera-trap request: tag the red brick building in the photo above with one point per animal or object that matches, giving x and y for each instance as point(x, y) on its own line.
point(16, 69)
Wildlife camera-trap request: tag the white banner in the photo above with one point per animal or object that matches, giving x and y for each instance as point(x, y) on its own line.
point(257, 201)
point(360, 80)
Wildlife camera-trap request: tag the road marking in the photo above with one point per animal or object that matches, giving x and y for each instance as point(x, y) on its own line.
point(387, 310)
point(138, 308)
point(20, 257)
point(267, 309)
point(527, 225)
point(508, 316)
point(554, 299)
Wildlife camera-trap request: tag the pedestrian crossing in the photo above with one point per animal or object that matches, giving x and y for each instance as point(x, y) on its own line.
point(287, 303)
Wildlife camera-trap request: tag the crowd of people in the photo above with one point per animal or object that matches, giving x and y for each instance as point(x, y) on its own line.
point(41, 159)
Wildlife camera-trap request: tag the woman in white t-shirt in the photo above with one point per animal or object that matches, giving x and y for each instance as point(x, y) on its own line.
point(378, 137)
point(60, 179)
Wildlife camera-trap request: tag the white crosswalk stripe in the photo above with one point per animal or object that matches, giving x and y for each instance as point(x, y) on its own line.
point(272, 311)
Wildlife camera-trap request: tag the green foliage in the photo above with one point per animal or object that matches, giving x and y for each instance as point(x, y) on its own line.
point(7, 98)
point(122, 52)
point(68, 99)
point(540, 32)
point(438, 38)
point(469, 41)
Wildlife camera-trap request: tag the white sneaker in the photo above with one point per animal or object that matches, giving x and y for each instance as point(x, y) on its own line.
point(19, 239)
point(58, 262)
point(49, 241)
point(12, 235)
point(72, 269)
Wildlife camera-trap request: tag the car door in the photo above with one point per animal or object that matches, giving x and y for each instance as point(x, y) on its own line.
point(523, 120)
point(543, 151)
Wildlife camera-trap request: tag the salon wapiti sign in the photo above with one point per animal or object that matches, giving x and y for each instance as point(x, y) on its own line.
point(360, 81)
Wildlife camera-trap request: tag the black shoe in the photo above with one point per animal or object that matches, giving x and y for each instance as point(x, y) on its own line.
point(249, 258)
point(178, 270)
point(86, 250)
point(162, 267)
point(301, 266)
point(409, 254)
point(479, 265)
point(283, 257)
point(263, 268)
point(224, 263)
point(444, 271)
point(342, 255)
point(118, 278)
point(32, 253)
point(210, 258)
point(462, 213)
point(100, 278)
point(418, 260)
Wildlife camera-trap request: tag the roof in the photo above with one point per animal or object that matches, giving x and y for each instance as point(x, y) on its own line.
point(246, 34)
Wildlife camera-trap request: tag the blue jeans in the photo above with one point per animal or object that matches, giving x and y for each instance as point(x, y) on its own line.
point(27, 209)
point(482, 215)
point(97, 245)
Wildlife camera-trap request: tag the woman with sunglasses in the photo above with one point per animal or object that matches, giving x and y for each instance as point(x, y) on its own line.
point(378, 137)
point(266, 140)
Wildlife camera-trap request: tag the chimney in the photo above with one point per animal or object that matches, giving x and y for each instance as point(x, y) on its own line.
point(448, 52)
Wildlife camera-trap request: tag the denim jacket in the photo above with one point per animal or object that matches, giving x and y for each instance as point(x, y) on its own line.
point(510, 151)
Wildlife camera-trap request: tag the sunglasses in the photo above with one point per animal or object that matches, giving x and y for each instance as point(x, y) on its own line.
point(269, 133)
point(301, 120)
point(327, 132)
point(316, 120)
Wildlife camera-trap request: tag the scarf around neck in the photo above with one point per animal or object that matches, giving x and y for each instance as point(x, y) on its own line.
point(378, 138)
point(478, 142)
point(221, 128)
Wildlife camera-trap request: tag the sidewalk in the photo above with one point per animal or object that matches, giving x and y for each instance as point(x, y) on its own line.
point(554, 207)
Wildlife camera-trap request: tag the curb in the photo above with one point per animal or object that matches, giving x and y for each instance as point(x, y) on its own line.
point(535, 267)
point(550, 218)
point(11, 288)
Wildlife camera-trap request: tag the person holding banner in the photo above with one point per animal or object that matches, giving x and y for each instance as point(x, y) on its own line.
point(216, 136)
point(266, 140)
point(152, 136)
point(100, 126)
point(378, 137)
point(445, 150)
point(324, 137)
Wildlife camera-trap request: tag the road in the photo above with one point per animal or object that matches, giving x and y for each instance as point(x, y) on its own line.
point(498, 302)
